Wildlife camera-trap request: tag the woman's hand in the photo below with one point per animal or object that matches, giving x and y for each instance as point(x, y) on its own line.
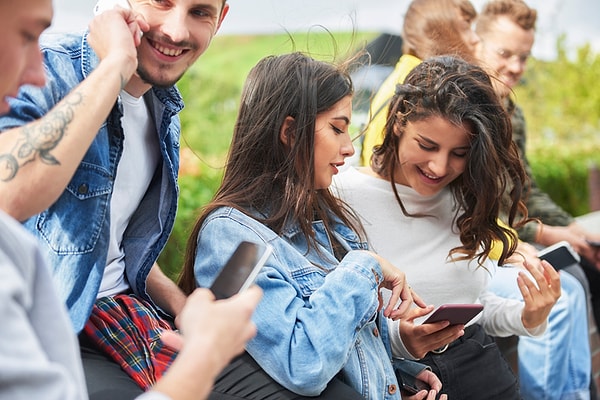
point(395, 280)
point(421, 339)
point(539, 296)
point(434, 383)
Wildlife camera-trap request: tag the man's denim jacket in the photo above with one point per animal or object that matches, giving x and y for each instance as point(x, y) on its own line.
point(74, 231)
point(318, 316)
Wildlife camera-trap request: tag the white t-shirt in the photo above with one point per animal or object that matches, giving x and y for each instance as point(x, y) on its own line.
point(137, 165)
point(419, 246)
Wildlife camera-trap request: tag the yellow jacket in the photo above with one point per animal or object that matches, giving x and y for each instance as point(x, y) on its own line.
point(379, 105)
point(496, 250)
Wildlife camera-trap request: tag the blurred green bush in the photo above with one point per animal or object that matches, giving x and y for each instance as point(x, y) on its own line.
point(561, 101)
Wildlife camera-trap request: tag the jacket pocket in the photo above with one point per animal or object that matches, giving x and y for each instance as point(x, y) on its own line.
point(73, 224)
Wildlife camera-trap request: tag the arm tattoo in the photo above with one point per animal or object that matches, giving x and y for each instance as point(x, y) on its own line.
point(37, 140)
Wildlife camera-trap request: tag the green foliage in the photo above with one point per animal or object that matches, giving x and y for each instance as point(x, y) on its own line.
point(561, 102)
point(195, 192)
point(563, 174)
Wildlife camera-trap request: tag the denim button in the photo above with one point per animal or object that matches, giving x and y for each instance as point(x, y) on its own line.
point(392, 389)
point(82, 189)
point(376, 332)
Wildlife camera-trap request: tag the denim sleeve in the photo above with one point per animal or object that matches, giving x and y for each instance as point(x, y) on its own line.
point(32, 103)
point(304, 339)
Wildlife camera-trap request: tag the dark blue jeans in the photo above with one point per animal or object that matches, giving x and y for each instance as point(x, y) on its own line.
point(473, 368)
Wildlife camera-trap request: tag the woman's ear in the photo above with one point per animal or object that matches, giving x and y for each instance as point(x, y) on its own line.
point(399, 123)
point(287, 131)
point(396, 128)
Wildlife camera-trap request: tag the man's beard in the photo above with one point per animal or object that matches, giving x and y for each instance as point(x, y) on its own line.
point(162, 84)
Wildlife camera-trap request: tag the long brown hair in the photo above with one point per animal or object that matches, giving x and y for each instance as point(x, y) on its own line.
point(462, 93)
point(266, 177)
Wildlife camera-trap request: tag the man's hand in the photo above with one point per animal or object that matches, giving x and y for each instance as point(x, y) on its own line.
point(114, 36)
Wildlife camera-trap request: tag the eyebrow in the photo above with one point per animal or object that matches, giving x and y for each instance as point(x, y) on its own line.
point(466, 147)
point(209, 7)
point(343, 118)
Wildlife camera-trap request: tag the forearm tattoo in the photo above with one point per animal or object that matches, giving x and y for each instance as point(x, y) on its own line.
point(37, 140)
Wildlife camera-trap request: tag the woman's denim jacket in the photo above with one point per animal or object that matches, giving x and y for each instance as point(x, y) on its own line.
point(318, 316)
point(75, 229)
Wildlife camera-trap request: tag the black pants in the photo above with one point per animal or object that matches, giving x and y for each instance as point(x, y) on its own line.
point(473, 368)
point(243, 378)
point(105, 379)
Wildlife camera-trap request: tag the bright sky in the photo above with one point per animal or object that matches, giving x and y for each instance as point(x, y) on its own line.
point(576, 18)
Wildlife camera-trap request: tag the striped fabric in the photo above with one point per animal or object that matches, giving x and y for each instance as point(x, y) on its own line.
point(128, 329)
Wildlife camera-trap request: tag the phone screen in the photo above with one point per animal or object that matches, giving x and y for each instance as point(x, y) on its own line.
point(241, 269)
point(455, 313)
point(559, 255)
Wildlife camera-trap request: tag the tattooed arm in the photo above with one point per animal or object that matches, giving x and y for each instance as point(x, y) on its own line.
point(38, 159)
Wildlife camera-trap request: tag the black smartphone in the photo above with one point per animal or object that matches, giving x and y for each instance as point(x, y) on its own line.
point(455, 313)
point(241, 269)
point(559, 255)
point(411, 384)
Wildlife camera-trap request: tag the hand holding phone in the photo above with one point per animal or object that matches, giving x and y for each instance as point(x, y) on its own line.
point(241, 269)
point(559, 255)
point(410, 383)
point(455, 313)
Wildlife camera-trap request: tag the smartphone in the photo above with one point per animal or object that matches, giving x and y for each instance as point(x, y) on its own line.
point(241, 269)
point(560, 255)
point(103, 5)
point(411, 384)
point(455, 313)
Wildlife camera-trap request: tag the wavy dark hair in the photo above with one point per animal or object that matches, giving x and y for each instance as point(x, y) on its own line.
point(263, 175)
point(462, 93)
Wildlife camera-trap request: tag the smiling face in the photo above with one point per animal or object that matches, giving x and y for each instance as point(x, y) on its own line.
point(21, 24)
point(505, 48)
point(180, 31)
point(332, 141)
point(432, 153)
